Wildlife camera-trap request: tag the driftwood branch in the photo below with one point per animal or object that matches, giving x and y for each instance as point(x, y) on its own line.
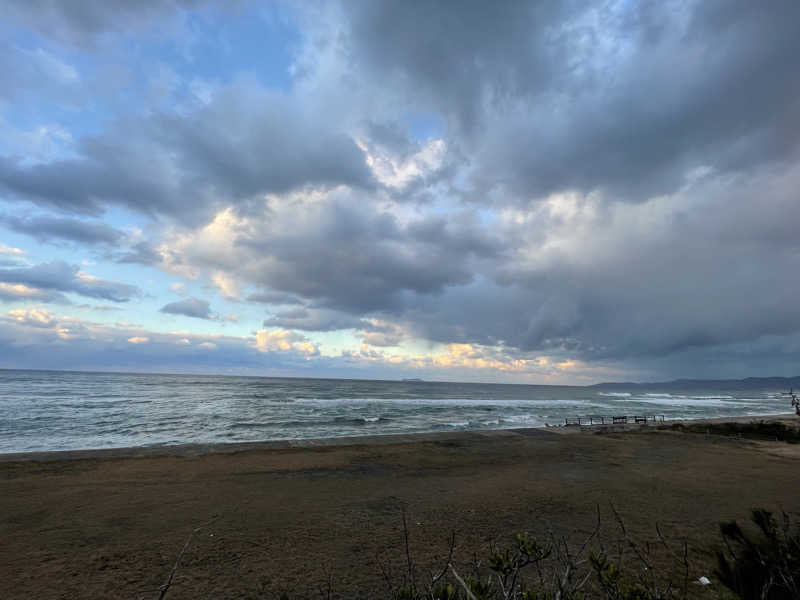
point(165, 588)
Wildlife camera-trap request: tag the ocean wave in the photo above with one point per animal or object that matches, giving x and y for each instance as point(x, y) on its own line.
point(684, 401)
point(299, 423)
point(55, 411)
point(526, 418)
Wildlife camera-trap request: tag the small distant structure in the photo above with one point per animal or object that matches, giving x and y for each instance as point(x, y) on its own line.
point(617, 420)
point(795, 401)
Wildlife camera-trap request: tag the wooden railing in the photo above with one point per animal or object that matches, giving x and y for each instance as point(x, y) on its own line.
point(618, 420)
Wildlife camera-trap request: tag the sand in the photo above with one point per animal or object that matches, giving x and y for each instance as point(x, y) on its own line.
point(110, 524)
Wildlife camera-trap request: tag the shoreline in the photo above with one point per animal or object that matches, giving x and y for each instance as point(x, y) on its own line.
point(110, 523)
point(212, 448)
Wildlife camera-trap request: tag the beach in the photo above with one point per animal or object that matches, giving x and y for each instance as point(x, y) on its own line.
point(284, 517)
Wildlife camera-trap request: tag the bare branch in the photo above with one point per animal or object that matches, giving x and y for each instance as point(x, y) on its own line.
point(443, 572)
point(165, 588)
point(411, 576)
point(461, 582)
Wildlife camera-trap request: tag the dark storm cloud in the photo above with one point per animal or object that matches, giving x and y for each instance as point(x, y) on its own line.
point(610, 288)
point(276, 298)
point(555, 96)
point(348, 259)
point(617, 181)
point(190, 307)
point(58, 276)
point(453, 58)
point(314, 320)
point(707, 268)
point(720, 96)
point(245, 143)
point(45, 228)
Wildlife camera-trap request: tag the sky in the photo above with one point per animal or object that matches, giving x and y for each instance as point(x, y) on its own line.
point(521, 192)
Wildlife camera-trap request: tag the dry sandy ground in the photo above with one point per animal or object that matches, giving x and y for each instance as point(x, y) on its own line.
point(111, 526)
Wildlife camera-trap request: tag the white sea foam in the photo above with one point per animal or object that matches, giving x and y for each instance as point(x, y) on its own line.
point(449, 402)
point(683, 401)
point(49, 410)
point(521, 418)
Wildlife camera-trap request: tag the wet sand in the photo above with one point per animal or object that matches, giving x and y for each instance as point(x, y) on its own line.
point(110, 524)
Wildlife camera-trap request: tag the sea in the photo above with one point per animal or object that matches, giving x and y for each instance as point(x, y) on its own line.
point(57, 410)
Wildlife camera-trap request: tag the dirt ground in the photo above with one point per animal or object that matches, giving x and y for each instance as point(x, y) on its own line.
point(113, 526)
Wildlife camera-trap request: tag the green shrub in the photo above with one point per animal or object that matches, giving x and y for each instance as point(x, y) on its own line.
point(765, 566)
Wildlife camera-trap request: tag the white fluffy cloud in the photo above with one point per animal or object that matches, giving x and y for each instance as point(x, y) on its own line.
point(283, 340)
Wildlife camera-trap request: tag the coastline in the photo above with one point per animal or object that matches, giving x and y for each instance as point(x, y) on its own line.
point(199, 449)
point(103, 524)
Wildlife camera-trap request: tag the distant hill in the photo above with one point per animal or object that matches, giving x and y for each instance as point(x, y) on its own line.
point(778, 383)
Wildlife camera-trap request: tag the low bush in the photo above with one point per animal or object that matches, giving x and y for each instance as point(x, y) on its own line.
point(764, 565)
point(760, 561)
point(760, 430)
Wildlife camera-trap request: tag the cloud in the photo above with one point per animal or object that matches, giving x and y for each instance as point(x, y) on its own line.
point(141, 253)
point(338, 250)
point(190, 307)
point(246, 142)
point(313, 319)
point(552, 96)
point(83, 22)
point(573, 275)
point(226, 285)
point(58, 276)
point(13, 292)
point(47, 228)
point(276, 298)
point(282, 340)
point(35, 317)
point(9, 250)
point(592, 183)
point(382, 333)
point(27, 73)
point(68, 343)
point(101, 307)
